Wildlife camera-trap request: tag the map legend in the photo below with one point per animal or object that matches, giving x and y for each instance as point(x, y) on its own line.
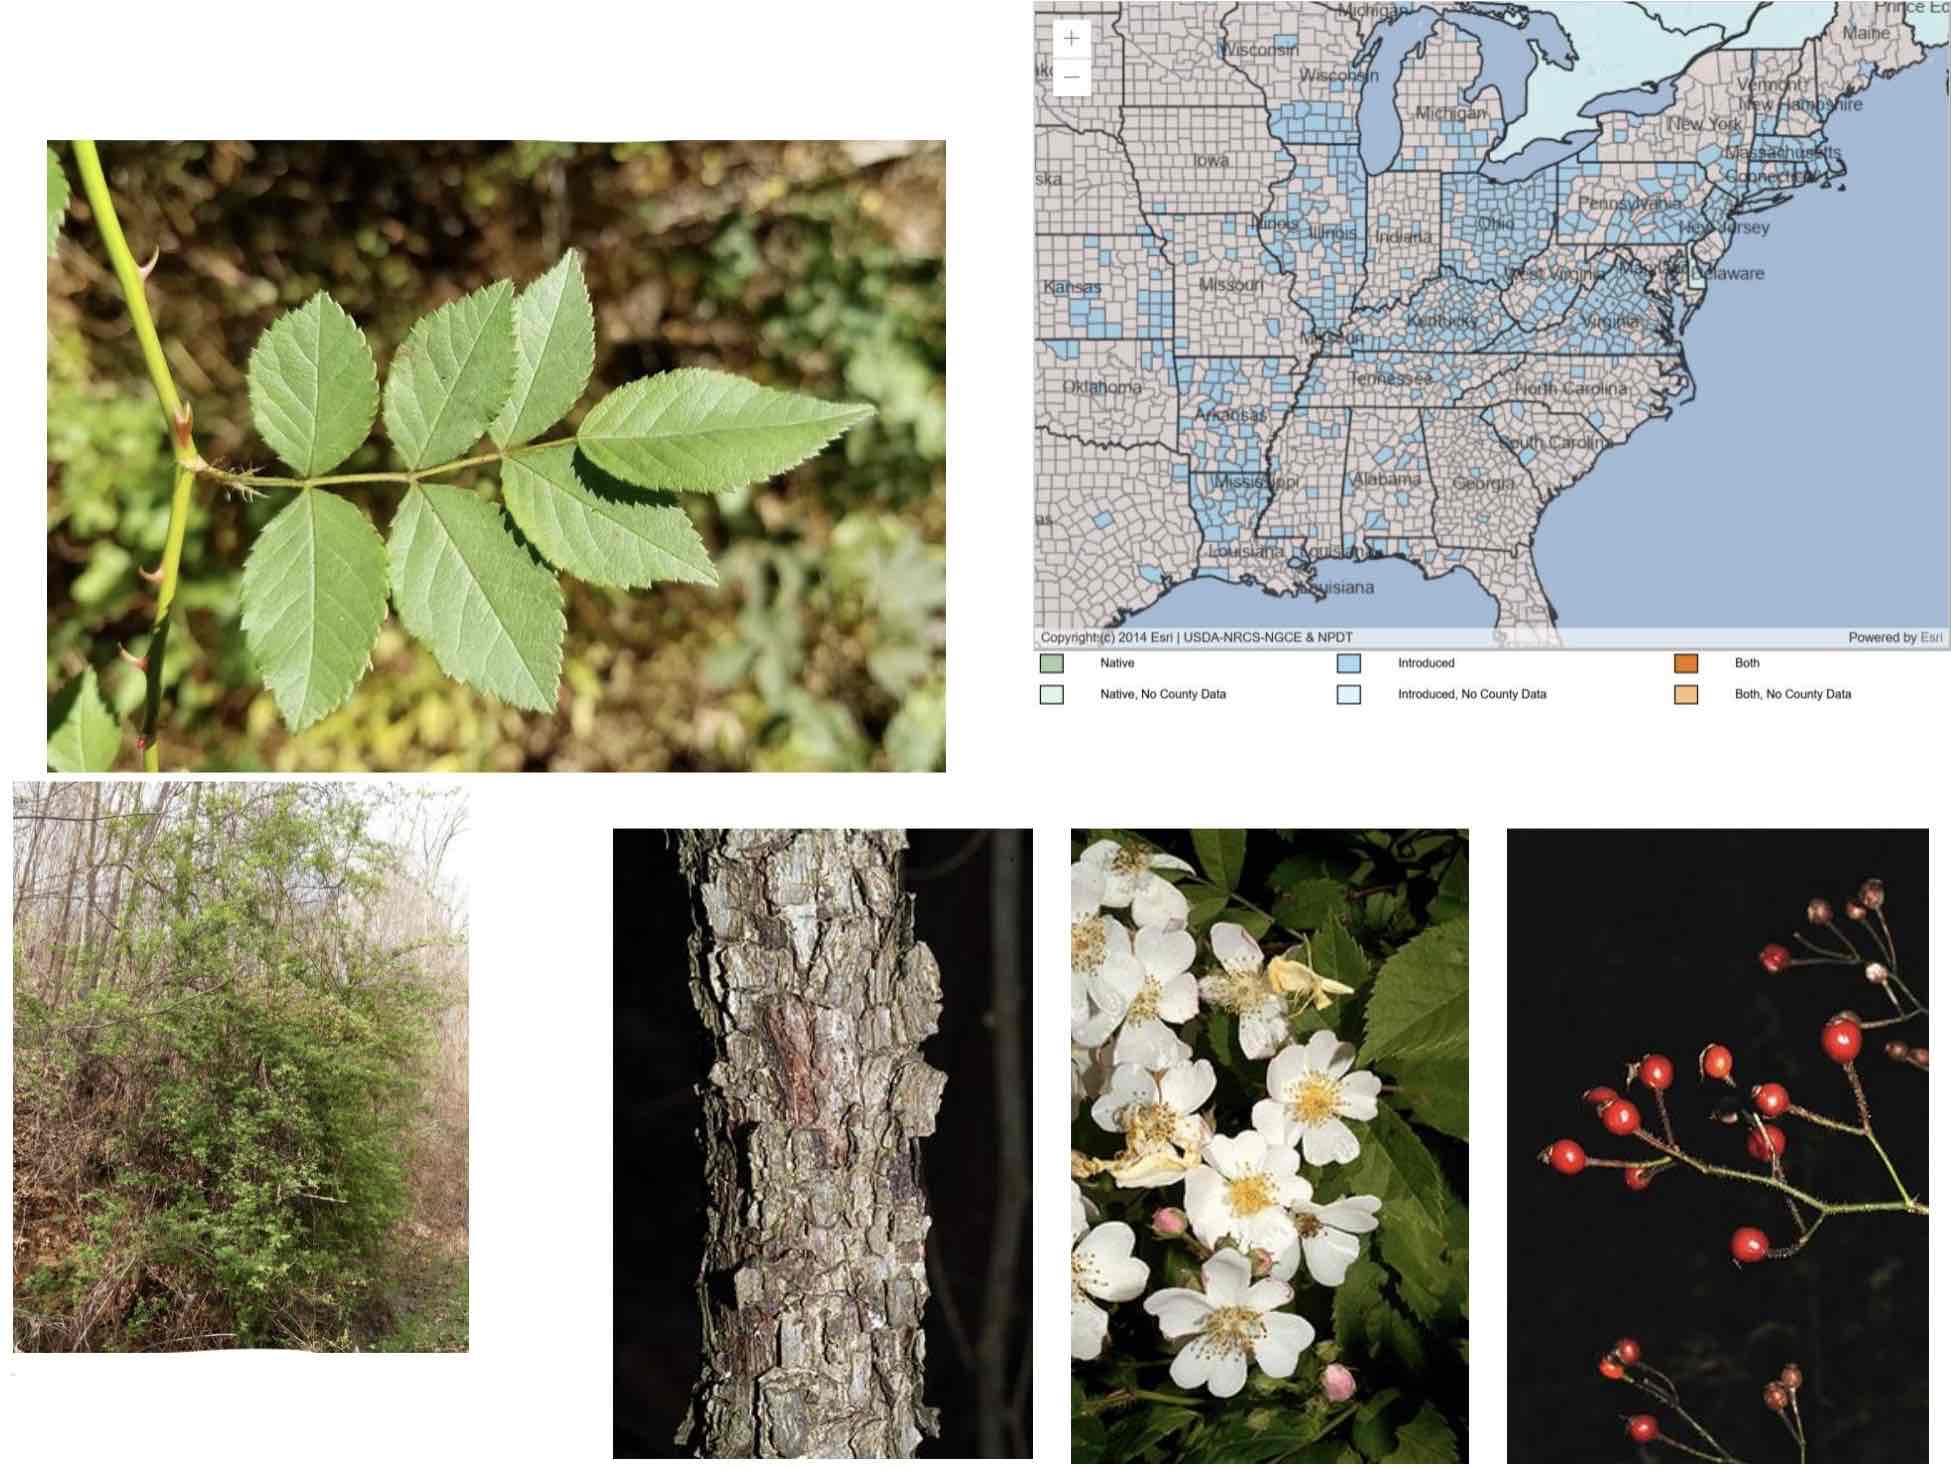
point(1686, 693)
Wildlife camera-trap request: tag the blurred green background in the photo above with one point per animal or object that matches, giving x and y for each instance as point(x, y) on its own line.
point(815, 267)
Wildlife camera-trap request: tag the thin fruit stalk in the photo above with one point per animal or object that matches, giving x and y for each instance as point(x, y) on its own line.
point(814, 1279)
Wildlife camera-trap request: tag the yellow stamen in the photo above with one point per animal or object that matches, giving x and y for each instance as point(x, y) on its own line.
point(1316, 1099)
point(1249, 1195)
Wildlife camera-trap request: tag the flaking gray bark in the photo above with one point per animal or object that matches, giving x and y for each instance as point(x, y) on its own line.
point(814, 1278)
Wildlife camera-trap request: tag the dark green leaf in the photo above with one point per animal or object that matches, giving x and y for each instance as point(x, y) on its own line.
point(1397, 1168)
point(596, 527)
point(1256, 924)
point(1424, 1439)
point(1420, 1006)
point(1334, 954)
point(1307, 905)
point(1223, 856)
point(1436, 1092)
point(82, 736)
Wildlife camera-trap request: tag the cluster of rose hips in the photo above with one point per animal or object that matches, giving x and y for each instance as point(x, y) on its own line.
point(1619, 1364)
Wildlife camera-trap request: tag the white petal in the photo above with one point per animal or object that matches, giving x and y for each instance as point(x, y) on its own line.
point(1178, 999)
point(1355, 1213)
point(1086, 890)
point(1280, 1347)
point(1078, 1221)
point(1234, 947)
point(1358, 1094)
point(1129, 1085)
point(1095, 1030)
point(1179, 1312)
point(1279, 1159)
point(1263, 1030)
point(1156, 901)
point(1227, 1275)
point(1286, 1070)
point(1269, 1295)
point(1206, 1204)
point(1185, 1088)
point(1117, 942)
point(1164, 952)
point(1329, 1254)
point(1126, 1280)
point(1297, 1192)
point(1272, 1121)
point(1224, 1154)
point(1114, 985)
point(1190, 1367)
point(1166, 860)
point(1287, 1261)
point(1149, 1044)
point(1329, 1142)
point(1228, 1376)
point(1104, 1246)
point(1154, 1170)
point(1321, 1051)
point(1117, 878)
point(1271, 1230)
point(1088, 1323)
point(1250, 1152)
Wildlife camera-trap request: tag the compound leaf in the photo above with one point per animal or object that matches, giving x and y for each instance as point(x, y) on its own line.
point(555, 350)
point(314, 595)
point(598, 528)
point(57, 198)
point(1420, 1006)
point(451, 376)
point(1223, 856)
point(313, 386)
point(82, 736)
point(1425, 1439)
point(1395, 1166)
point(490, 611)
point(699, 430)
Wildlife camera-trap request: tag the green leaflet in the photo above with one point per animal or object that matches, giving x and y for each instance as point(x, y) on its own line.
point(1223, 855)
point(451, 376)
point(57, 198)
point(1425, 1439)
point(555, 350)
point(1421, 1002)
point(1436, 1090)
point(313, 387)
point(1395, 1166)
point(596, 527)
point(314, 595)
point(1334, 954)
point(698, 430)
point(82, 736)
point(1309, 904)
point(489, 610)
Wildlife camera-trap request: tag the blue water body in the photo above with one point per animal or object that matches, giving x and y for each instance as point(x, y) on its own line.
point(1640, 101)
point(1806, 484)
point(1402, 598)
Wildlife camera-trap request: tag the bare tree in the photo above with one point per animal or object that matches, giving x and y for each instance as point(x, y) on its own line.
point(816, 996)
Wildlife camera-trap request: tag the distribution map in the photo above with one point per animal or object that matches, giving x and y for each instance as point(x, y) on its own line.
point(1307, 297)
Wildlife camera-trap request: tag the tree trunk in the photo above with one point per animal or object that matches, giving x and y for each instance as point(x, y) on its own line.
point(807, 975)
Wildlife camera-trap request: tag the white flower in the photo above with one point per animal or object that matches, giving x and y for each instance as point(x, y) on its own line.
point(1234, 1318)
point(1137, 1003)
point(1242, 987)
point(1292, 975)
point(1099, 944)
point(1131, 878)
point(1159, 1117)
point(1101, 1266)
point(1327, 1236)
point(1243, 1190)
point(1079, 1211)
point(1090, 1070)
point(1309, 1091)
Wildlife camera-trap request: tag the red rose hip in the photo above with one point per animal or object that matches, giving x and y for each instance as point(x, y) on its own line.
point(1626, 1350)
point(1620, 1117)
point(1774, 958)
point(1716, 1063)
point(1748, 1245)
point(1656, 1071)
point(1566, 1156)
point(1842, 1040)
point(1642, 1428)
point(1639, 1179)
point(1770, 1098)
point(1609, 1367)
point(1758, 1146)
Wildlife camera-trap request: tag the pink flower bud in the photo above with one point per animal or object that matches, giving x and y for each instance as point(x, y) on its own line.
point(1337, 1382)
point(1169, 1223)
point(1263, 1262)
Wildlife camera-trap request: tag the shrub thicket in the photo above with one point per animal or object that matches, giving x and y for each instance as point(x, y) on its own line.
point(223, 1066)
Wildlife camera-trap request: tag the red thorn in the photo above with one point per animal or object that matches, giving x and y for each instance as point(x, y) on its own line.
point(131, 659)
point(150, 264)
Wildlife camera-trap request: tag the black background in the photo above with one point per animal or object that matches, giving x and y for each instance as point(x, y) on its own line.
point(1627, 942)
point(662, 1054)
